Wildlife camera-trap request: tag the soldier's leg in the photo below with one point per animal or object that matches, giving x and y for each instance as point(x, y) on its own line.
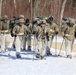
point(38, 49)
point(24, 43)
point(14, 42)
point(48, 48)
point(18, 45)
point(35, 43)
point(66, 44)
point(7, 42)
point(0, 43)
point(43, 49)
point(3, 43)
point(29, 42)
point(48, 51)
point(68, 49)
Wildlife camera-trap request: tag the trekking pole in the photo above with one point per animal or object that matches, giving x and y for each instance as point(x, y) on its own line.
point(56, 45)
point(61, 47)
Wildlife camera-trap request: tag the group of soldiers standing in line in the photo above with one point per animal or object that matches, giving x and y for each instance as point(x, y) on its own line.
point(43, 31)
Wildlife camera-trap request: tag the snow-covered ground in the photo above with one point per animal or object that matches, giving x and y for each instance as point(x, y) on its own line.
point(29, 65)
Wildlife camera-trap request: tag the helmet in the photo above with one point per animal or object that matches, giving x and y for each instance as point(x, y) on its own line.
point(21, 16)
point(45, 18)
point(43, 22)
point(71, 21)
point(51, 18)
point(5, 17)
point(40, 21)
point(21, 20)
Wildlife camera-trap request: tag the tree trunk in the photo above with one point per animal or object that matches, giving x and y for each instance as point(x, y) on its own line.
point(31, 10)
point(62, 11)
point(15, 7)
point(0, 7)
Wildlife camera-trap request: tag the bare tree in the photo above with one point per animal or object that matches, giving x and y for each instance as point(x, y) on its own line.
point(31, 8)
point(15, 6)
point(62, 11)
point(0, 7)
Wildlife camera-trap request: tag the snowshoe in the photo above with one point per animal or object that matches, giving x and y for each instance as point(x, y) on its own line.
point(69, 56)
point(38, 56)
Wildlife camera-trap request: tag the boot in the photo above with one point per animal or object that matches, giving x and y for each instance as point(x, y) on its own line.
point(69, 56)
point(18, 56)
point(14, 46)
point(48, 53)
point(38, 56)
point(23, 49)
point(29, 48)
point(42, 57)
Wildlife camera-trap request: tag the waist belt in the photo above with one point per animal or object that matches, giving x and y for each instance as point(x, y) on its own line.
point(3, 32)
point(42, 38)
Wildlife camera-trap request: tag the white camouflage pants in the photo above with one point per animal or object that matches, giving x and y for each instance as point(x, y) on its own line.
point(29, 40)
point(49, 43)
point(68, 47)
point(34, 43)
point(42, 47)
point(24, 42)
point(19, 44)
point(5, 40)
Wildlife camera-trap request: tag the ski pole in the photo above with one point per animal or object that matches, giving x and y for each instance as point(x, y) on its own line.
point(61, 47)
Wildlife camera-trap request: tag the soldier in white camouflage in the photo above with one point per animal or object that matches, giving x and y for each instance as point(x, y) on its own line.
point(19, 31)
point(68, 31)
point(52, 30)
point(28, 38)
point(4, 33)
point(41, 37)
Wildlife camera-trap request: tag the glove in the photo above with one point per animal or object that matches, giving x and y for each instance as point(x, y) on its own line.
point(27, 32)
point(21, 34)
point(6, 31)
point(15, 35)
point(56, 32)
point(51, 30)
point(46, 33)
point(47, 38)
point(67, 35)
point(33, 32)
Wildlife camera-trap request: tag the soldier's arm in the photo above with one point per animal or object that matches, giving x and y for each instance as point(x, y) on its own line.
point(0, 25)
point(63, 30)
point(56, 29)
point(25, 30)
point(14, 31)
point(35, 30)
point(30, 28)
